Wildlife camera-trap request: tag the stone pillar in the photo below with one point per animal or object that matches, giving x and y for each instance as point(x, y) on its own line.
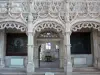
point(61, 54)
point(67, 60)
point(2, 48)
point(30, 65)
point(36, 58)
point(95, 48)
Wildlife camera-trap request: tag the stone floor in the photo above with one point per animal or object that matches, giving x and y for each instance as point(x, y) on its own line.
point(53, 64)
point(57, 71)
point(50, 67)
point(86, 69)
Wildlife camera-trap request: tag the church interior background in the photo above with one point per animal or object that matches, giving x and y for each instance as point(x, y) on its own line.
point(61, 37)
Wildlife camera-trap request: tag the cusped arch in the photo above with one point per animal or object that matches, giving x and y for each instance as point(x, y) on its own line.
point(85, 24)
point(13, 24)
point(48, 25)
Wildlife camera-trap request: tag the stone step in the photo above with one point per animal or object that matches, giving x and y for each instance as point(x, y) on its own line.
point(43, 73)
point(55, 73)
point(85, 73)
point(13, 74)
point(36, 73)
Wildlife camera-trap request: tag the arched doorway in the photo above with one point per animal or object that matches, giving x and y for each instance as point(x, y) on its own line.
point(84, 41)
point(48, 36)
point(49, 55)
point(48, 49)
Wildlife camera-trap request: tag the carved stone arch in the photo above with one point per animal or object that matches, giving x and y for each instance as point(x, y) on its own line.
point(48, 25)
point(85, 24)
point(13, 24)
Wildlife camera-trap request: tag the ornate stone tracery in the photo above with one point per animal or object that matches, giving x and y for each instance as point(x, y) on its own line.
point(48, 34)
point(84, 9)
point(49, 25)
point(12, 25)
point(45, 8)
point(80, 25)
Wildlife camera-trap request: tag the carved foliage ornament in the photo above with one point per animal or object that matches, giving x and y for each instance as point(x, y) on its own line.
point(81, 25)
point(49, 25)
point(12, 25)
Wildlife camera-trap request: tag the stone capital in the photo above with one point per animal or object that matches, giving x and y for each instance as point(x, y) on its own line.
point(67, 33)
point(30, 17)
point(30, 33)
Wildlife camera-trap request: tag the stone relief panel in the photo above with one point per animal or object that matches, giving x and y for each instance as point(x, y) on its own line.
point(84, 9)
point(3, 6)
point(46, 8)
point(14, 9)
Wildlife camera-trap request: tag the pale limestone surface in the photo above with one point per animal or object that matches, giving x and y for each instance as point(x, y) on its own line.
point(61, 16)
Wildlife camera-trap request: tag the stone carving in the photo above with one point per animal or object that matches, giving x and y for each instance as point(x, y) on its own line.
point(3, 6)
point(56, 9)
point(18, 42)
point(48, 34)
point(83, 9)
point(49, 25)
point(81, 25)
point(45, 8)
point(12, 25)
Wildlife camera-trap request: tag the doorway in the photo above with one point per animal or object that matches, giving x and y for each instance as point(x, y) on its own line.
point(49, 55)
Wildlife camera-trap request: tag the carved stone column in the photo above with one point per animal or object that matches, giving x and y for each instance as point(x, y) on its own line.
point(67, 62)
point(2, 49)
point(30, 65)
point(95, 48)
